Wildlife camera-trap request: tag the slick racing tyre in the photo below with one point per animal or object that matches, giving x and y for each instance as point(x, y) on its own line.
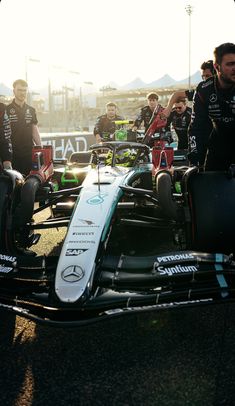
point(28, 194)
point(10, 188)
point(164, 194)
point(24, 212)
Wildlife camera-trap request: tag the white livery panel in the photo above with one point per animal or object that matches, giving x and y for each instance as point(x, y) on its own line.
point(93, 210)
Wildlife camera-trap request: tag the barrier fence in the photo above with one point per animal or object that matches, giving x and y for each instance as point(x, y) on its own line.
point(64, 144)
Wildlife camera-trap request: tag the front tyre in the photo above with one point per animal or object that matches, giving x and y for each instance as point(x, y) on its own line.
point(28, 194)
point(24, 211)
point(164, 194)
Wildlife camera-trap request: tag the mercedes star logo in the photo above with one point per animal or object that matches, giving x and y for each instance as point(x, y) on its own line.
point(72, 273)
point(213, 98)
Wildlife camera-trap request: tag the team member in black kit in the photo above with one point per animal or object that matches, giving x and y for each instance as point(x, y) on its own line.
point(180, 118)
point(148, 113)
point(105, 126)
point(5, 138)
point(214, 102)
point(207, 70)
point(24, 128)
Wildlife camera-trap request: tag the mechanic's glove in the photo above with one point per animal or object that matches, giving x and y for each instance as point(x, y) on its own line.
point(7, 165)
point(165, 113)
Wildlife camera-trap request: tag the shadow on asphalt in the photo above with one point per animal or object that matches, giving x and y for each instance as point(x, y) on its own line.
point(171, 358)
point(177, 357)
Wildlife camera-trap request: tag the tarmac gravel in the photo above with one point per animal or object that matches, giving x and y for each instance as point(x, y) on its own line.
point(171, 358)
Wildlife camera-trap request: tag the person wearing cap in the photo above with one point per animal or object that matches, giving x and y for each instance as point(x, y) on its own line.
point(179, 119)
point(207, 70)
point(148, 113)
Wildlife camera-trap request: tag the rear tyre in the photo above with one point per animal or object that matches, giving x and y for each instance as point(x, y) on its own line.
point(28, 194)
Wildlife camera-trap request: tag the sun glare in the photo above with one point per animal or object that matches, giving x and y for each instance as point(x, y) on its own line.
point(105, 43)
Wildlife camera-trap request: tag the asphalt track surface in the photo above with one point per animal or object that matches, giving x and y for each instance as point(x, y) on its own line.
point(173, 358)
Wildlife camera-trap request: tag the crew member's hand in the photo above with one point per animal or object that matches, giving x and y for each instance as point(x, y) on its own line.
point(7, 165)
point(134, 128)
point(193, 158)
point(165, 113)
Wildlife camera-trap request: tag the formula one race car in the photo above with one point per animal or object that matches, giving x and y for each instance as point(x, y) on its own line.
point(133, 243)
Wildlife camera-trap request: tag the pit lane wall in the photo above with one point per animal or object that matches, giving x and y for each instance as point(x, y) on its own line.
point(65, 143)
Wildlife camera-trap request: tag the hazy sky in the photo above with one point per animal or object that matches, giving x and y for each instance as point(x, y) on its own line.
point(109, 40)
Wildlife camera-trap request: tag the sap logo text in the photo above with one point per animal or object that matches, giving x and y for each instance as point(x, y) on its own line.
point(74, 251)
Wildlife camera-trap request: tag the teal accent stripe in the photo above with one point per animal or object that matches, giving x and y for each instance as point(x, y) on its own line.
point(219, 258)
point(114, 205)
point(220, 278)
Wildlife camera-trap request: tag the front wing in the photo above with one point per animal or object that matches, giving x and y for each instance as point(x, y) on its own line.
point(122, 285)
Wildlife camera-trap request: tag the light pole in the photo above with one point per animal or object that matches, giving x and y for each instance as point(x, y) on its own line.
point(27, 60)
point(49, 104)
point(74, 97)
point(189, 10)
point(66, 90)
point(49, 100)
point(65, 93)
point(81, 103)
point(50, 93)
